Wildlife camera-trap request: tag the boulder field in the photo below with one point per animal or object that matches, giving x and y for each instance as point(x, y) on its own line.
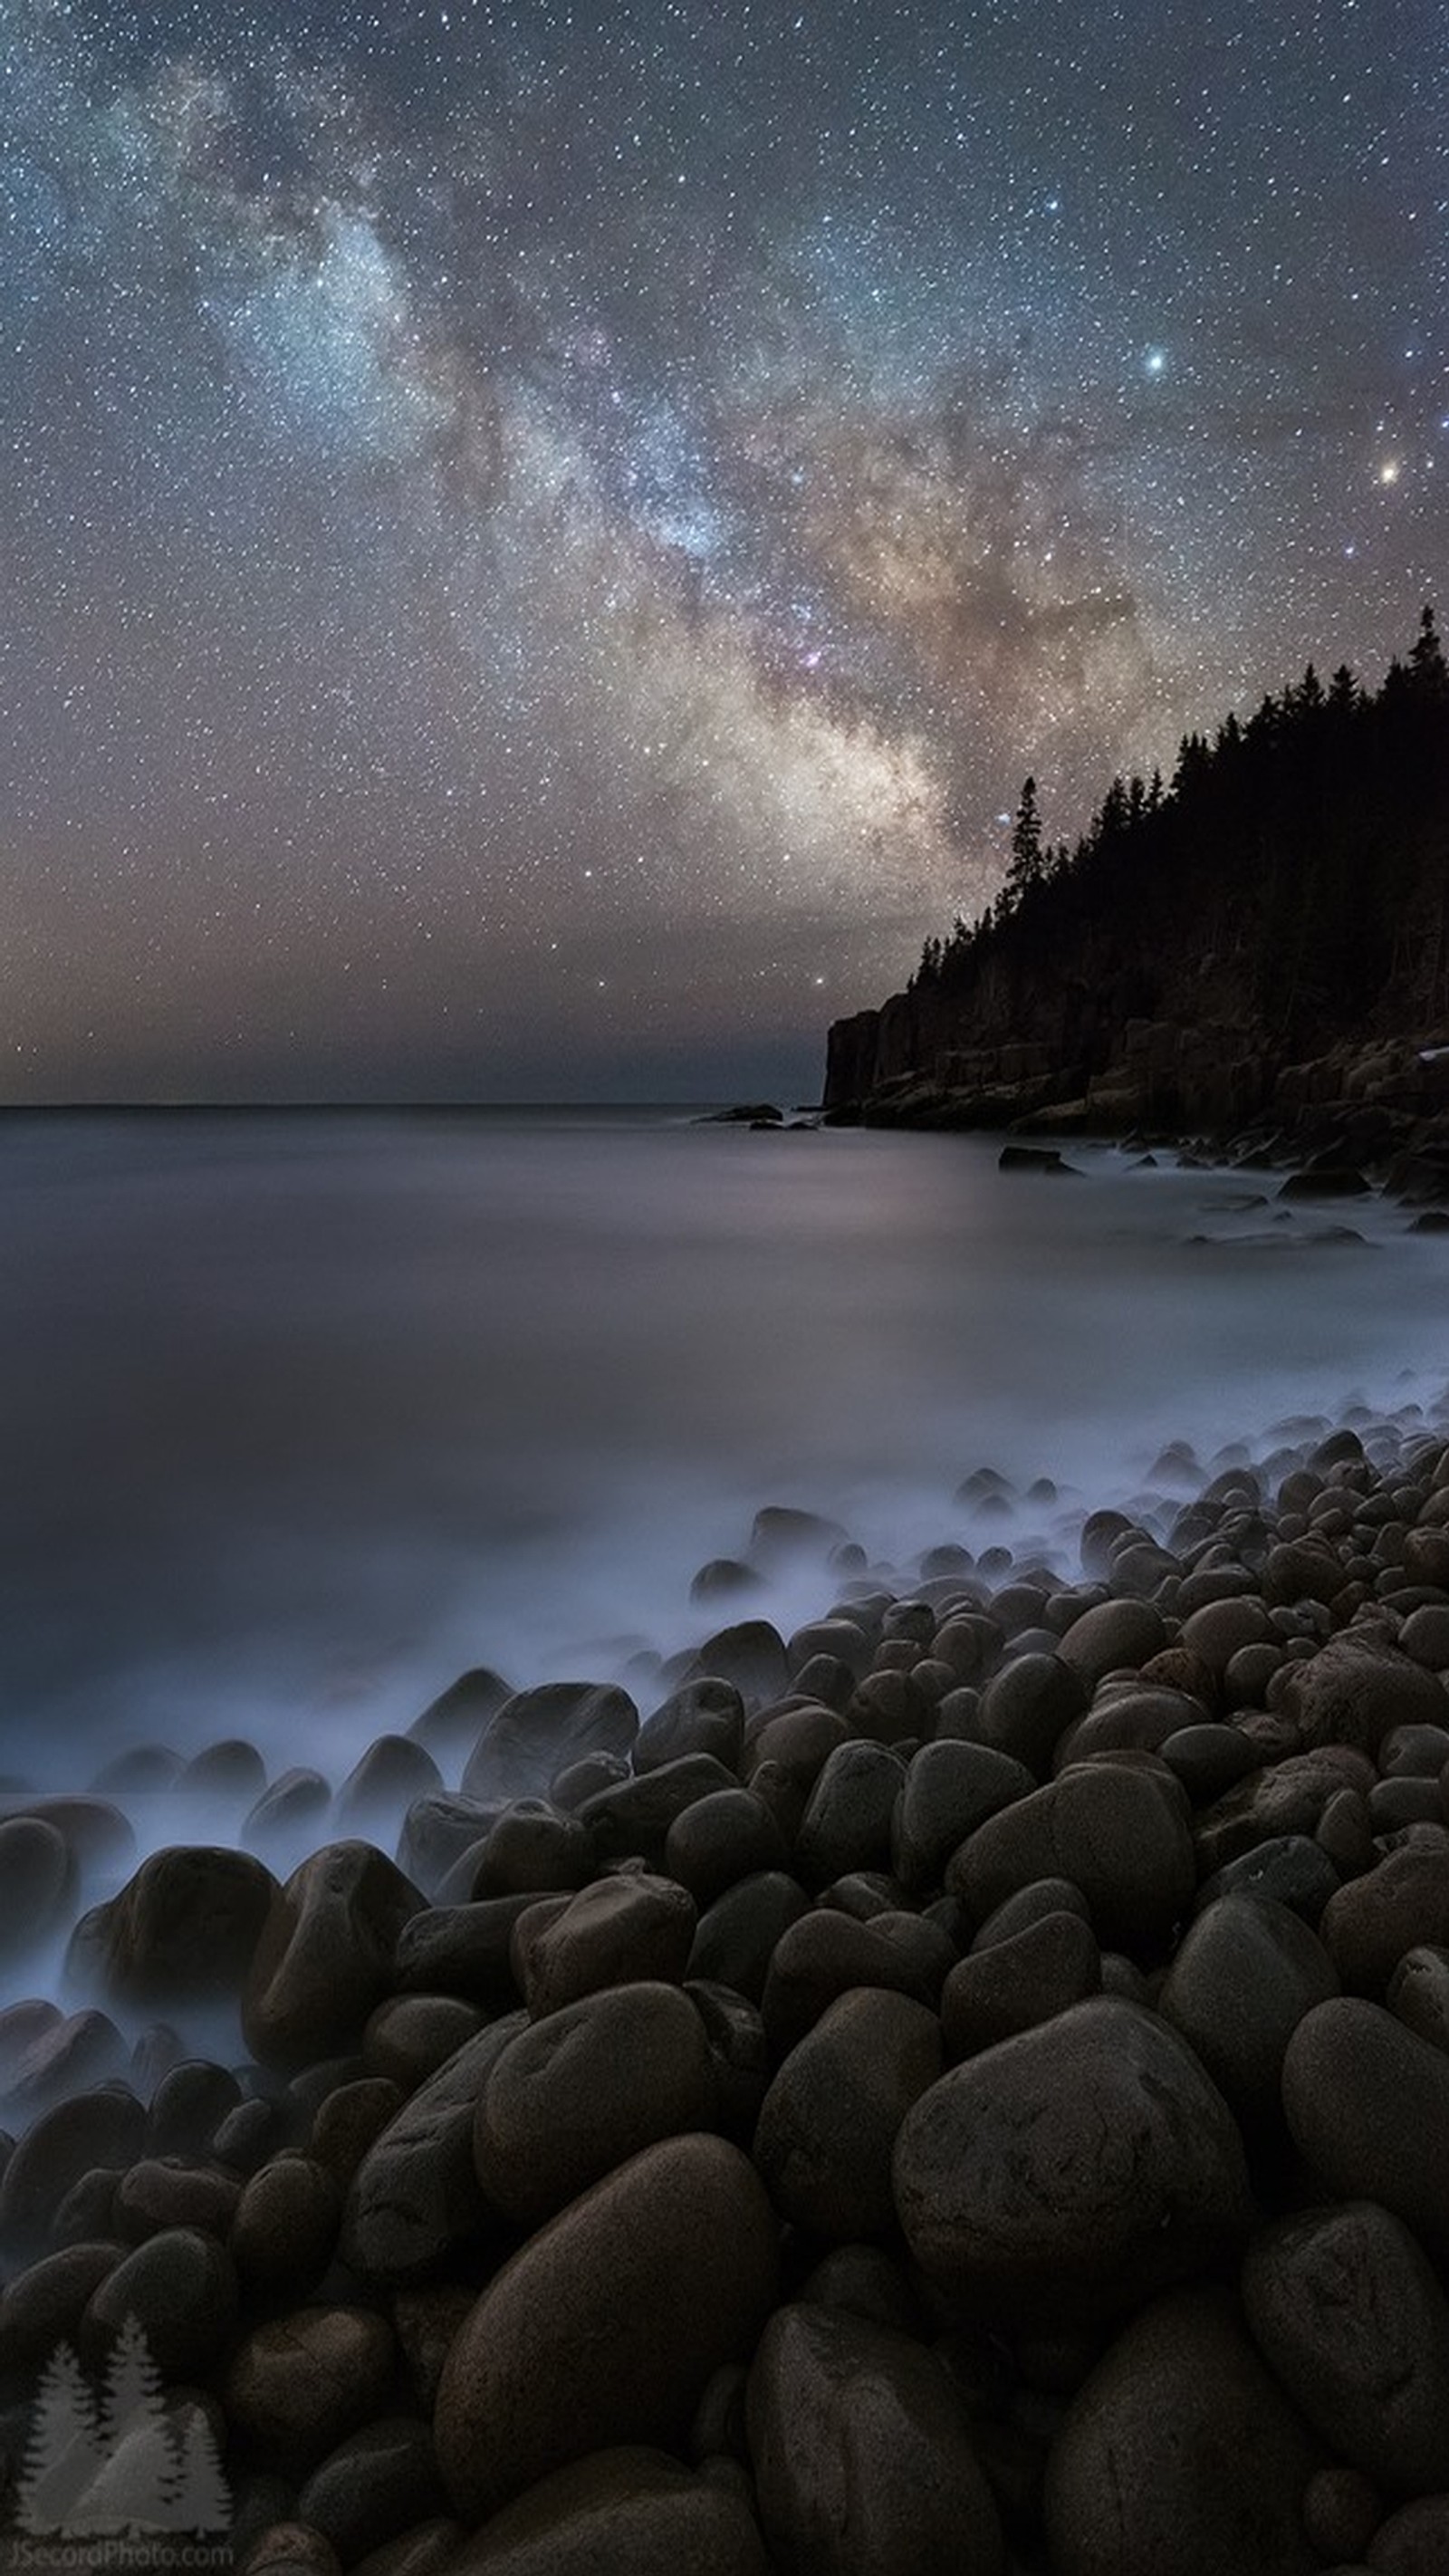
point(962, 2086)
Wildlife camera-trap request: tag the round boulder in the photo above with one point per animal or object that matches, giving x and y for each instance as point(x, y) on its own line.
point(608, 2324)
point(577, 2094)
point(1180, 2456)
point(1075, 2169)
point(828, 2124)
point(862, 2453)
point(325, 1956)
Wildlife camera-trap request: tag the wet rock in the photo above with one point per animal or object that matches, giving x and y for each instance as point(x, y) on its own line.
point(288, 1818)
point(1347, 2312)
point(414, 2200)
point(451, 1724)
point(298, 2386)
point(105, 2129)
point(160, 2192)
point(462, 1950)
point(230, 1773)
point(705, 1716)
point(828, 2124)
point(1113, 1636)
point(43, 2305)
point(533, 1850)
point(1355, 1689)
point(1245, 1975)
point(1346, 2061)
point(325, 1956)
point(181, 2288)
point(188, 2106)
point(1418, 1994)
point(185, 1928)
point(750, 1655)
point(950, 1788)
point(574, 2096)
point(1011, 1985)
point(377, 2484)
point(824, 1954)
point(1119, 1833)
point(394, 1771)
point(1073, 2170)
point(71, 2053)
point(634, 1817)
point(721, 1839)
point(438, 1830)
point(1289, 1870)
point(1414, 2541)
point(1180, 2456)
point(37, 1882)
point(608, 2324)
point(349, 2121)
point(96, 1833)
point(862, 2452)
point(847, 1820)
point(410, 2036)
point(1369, 1925)
point(630, 2508)
point(534, 1734)
point(610, 1934)
point(285, 2229)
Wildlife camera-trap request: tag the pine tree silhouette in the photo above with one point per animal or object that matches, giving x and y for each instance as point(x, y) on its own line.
point(201, 2500)
point(133, 2383)
point(65, 2448)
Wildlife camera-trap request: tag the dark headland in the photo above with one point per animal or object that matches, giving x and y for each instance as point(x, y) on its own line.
point(1256, 950)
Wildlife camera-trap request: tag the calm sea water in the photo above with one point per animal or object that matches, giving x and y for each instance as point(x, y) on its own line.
point(304, 1412)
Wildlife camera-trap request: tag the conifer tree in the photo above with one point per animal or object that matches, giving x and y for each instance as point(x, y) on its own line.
point(65, 2448)
point(201, 2499)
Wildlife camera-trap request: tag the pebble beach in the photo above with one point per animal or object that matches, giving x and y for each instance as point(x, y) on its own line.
point(932, 2089)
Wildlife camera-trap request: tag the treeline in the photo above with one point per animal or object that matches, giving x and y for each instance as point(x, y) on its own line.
point(1296, 865)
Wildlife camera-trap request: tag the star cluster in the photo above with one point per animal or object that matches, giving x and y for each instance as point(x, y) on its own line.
point(538, 541)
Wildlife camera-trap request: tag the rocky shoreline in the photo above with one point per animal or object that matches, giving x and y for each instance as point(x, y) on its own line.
point(962, 2085)
point(1378, 1107)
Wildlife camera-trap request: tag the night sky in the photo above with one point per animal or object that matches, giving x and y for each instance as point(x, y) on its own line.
point(538, 543)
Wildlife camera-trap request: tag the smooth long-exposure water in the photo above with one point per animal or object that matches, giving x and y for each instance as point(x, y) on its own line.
point(303, 1412)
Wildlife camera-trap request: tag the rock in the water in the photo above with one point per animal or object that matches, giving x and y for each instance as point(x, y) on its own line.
point(393, 1771)
point(862, 2453)
point(1367, 2102)
point(185, 1928)
point(630, 2509)
point(829, 2122)
point(1073, 2170)
point(577, 2094)
point(325, 1956)
point(750, 1654)
point(607, 2325)
point(534, 1734)
point(1180, 2456)
point(1349, 2315)
point(37, 1881)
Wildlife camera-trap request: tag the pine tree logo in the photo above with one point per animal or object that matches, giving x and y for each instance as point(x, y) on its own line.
point(128, 2463)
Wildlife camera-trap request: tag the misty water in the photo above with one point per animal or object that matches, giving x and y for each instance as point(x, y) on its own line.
point(305, 1413)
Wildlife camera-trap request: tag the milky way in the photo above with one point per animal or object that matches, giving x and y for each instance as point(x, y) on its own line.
point(538, 543)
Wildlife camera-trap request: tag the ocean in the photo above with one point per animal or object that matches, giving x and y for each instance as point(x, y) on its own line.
point(304, 1411)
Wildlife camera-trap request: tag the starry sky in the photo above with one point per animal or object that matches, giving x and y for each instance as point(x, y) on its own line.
point(537, 543)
